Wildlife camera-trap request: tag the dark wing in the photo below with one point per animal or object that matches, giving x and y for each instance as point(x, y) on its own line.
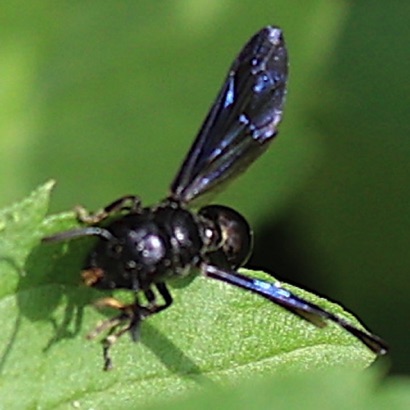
point(242, 121)
point(301, 307)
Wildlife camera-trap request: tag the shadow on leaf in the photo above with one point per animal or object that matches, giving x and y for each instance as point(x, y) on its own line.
point(52, 275)
point(52, 279)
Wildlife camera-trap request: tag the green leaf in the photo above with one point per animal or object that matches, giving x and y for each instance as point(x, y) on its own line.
point(214, 334)
point(328, 389)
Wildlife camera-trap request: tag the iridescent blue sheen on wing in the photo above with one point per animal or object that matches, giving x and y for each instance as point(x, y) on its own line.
point(242, 121)
point(307, 310)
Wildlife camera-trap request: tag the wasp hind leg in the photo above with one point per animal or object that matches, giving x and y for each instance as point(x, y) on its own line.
point(153, 307)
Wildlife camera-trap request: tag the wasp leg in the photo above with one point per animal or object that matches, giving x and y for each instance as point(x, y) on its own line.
point(111, 338)
point(153, 307)
point(128, 320)
point(113, 323)
point(130, 203)
point(142, 312)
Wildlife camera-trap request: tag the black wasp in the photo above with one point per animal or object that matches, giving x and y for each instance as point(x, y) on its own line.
point(141, 248)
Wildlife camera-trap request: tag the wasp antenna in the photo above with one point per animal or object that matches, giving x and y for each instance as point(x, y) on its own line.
point(79, 233)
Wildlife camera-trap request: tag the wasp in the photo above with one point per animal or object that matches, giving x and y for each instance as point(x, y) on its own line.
point(140, 248)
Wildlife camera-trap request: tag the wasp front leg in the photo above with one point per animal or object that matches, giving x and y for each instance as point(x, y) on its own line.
point(128, 203)
point(128, 320)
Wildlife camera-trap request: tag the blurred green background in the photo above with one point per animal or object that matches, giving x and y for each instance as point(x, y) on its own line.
point(106, 97)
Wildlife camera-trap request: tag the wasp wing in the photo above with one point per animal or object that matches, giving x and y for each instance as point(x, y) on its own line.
point(242, 121)
point(301, 307)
